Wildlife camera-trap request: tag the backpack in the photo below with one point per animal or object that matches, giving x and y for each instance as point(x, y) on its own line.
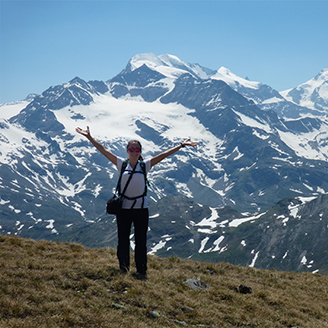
point(143, 169)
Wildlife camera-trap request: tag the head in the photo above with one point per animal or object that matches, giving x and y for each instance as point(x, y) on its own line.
point(134, 149)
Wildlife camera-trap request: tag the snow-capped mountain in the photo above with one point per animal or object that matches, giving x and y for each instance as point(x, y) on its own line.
point(54, 184)
point(312, 94)
point(265, 97)
point(168, 65)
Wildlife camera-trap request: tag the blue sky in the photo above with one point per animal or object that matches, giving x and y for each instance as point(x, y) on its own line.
point(45, 43)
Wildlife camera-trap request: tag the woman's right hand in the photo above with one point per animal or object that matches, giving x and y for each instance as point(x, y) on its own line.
point(97, 144)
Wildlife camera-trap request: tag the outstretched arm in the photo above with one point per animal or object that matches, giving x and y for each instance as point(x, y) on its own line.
point(155, 160)
point(98, 145)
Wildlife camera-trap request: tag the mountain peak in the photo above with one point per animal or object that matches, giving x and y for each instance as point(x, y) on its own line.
point(76, 79)
point(232, 79)
point(224, 70)
point(168, 65)
point(31, 96)
point(150, 59)
point(78, 82)
point(312, 94)
point(171, 60)
point(322, 76)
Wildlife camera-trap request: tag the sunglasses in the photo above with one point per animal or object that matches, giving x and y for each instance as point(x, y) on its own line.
point(134, 150)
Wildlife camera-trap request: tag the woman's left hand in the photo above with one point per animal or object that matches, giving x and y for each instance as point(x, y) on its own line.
point(187, 142)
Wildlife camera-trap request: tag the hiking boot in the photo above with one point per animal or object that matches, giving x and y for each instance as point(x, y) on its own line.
point(124, 270)
point(140, 276)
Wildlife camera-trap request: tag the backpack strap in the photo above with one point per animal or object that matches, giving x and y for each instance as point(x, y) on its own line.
point(143, 168)
point(118, 187)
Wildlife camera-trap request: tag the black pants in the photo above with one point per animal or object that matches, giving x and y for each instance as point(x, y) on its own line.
point(140, 218)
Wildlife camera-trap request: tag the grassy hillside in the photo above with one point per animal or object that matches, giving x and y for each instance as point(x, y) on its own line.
point(52, 284)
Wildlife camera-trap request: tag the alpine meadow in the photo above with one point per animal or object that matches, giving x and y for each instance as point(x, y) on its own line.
point(53, 284)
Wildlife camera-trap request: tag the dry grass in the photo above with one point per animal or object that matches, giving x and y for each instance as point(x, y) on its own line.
point(46, 284)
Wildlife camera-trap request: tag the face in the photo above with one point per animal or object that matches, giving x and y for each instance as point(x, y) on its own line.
point(134, 150)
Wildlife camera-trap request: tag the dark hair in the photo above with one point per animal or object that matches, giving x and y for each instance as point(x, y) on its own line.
point(134, 141)
point(139, 143)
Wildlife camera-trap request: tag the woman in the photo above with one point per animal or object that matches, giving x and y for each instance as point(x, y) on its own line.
point(135, 205)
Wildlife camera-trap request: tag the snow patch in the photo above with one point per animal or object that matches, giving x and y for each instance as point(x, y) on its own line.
point(237, 222)
point(254, 259)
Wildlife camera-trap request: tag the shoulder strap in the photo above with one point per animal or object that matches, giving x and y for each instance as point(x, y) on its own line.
point(129, 179)
point(118, 187)
point(143, 168)
point(124, 165)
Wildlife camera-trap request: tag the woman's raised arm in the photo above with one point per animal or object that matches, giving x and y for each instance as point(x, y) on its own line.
point(155, 160)
point(98, 145)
